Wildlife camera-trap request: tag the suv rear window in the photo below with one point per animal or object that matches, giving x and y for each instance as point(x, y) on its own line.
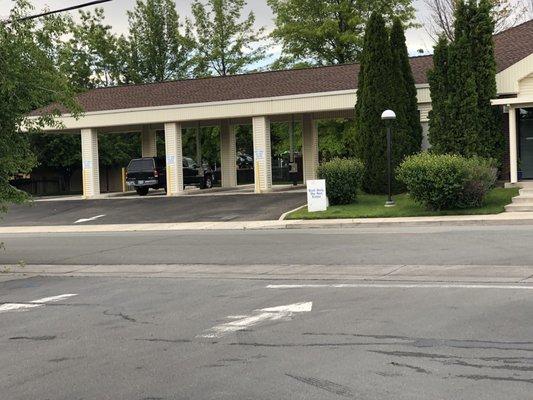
point(141, 165)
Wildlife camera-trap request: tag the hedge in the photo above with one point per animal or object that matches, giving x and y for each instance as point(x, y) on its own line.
point(443, 182)
point(343, 179)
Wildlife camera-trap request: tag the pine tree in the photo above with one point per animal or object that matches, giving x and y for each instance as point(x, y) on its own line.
point(439, 88)
point(408, 133)
point(373, 97)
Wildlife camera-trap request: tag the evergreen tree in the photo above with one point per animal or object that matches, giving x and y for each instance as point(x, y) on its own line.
point(408, 133)
point(373, 97)
point(438, 85)
point(462, 83)
point(464, 121)
point(490, 140)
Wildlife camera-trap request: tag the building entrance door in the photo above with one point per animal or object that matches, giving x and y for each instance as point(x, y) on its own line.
point(525, 128)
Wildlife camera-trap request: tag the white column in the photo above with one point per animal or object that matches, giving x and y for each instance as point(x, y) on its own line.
point(90, 167)
point(262, 154)
point(513, 148)
point(174, 155)
point(228, 155)
point(309, 147)
point(149, 142)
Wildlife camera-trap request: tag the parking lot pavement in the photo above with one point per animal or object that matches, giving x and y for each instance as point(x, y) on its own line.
point(153, 338)
point(159, 209)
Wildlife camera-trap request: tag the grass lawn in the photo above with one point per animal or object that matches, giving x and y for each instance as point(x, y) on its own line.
point(372, 206)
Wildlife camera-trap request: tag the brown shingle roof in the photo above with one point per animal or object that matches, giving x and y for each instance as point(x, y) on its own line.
point(511, 46)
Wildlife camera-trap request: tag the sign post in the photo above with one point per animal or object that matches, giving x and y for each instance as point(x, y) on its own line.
point(317, 199)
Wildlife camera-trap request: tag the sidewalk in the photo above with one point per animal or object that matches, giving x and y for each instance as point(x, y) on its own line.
point(449, 220)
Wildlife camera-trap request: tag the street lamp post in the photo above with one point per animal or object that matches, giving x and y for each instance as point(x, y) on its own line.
point(388, 116)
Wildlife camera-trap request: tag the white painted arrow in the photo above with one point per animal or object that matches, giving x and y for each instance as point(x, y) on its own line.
point(34, 304)
point(80, 221)
point(265, 314)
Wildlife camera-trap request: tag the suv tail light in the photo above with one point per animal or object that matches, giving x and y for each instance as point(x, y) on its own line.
point(156, 174)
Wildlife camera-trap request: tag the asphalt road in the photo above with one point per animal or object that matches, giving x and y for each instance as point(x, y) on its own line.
point(443, 333)
point(500, 245)
point(160, 209)
point(145, 339)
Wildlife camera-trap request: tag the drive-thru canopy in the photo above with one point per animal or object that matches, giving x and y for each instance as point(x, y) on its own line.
point(261, 98)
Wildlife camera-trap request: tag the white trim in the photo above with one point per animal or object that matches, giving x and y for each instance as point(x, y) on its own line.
point(217, 103)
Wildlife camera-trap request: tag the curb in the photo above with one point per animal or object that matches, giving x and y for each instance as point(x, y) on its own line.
point(486, 220)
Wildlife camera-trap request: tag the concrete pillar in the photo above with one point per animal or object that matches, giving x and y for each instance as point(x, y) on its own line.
point(513, 148)
point(309, 147)
point(149, 142)
point(262, 154)
point(174, 155)
point(90, 167)
point(228, 155)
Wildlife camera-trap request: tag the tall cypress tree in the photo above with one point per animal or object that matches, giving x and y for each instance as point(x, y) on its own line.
point(462, 83)
point(373, 97)
point(463, 113)
point(408, 133)
point(490, 140)
point(438, 85)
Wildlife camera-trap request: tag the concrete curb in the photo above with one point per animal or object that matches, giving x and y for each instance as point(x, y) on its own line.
point(468, 220)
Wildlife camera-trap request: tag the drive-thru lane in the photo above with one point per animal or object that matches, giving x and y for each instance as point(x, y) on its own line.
point(159, 209)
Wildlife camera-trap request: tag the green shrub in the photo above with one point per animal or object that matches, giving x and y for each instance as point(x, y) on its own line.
point(343, 179)
point(443, 182)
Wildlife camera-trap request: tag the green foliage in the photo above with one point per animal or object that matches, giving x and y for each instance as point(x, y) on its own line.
point(343, 179)
point(407, 129)
point(28, 81)
point(224, 44)
point(373, 97)
point(462, 83)
point(326, 32)
point(90, 57)
point(156, 48)
point(442, 182)
point(439, 87)
point(116, 150)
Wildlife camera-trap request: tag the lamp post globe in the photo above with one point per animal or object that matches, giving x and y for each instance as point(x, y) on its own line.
point(388, 116)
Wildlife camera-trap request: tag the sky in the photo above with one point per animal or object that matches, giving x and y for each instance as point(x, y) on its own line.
point(115, 12)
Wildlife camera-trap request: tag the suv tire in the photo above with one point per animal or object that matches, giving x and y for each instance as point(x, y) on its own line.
point(207, 183)
point(142, 191)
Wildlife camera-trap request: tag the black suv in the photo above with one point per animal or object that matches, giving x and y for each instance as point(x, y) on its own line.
point(150, 172)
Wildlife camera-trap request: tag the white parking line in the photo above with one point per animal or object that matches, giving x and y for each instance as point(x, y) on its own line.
point(399, 286)
point(33, 304)
point(89, 219)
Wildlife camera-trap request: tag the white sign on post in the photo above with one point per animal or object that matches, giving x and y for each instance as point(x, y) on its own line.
point(317, 199)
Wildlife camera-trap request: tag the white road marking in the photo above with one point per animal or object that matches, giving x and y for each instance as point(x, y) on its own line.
point(53, 299)
point(33, 304)
point(265, 314)
point(399, 286)
point(80, 221)
point(17, 307)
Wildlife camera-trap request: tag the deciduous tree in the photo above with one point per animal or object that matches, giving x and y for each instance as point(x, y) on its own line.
point(225, 42)
point(326, 32)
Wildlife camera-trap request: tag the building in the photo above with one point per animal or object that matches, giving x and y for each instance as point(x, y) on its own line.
point(258, 99)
